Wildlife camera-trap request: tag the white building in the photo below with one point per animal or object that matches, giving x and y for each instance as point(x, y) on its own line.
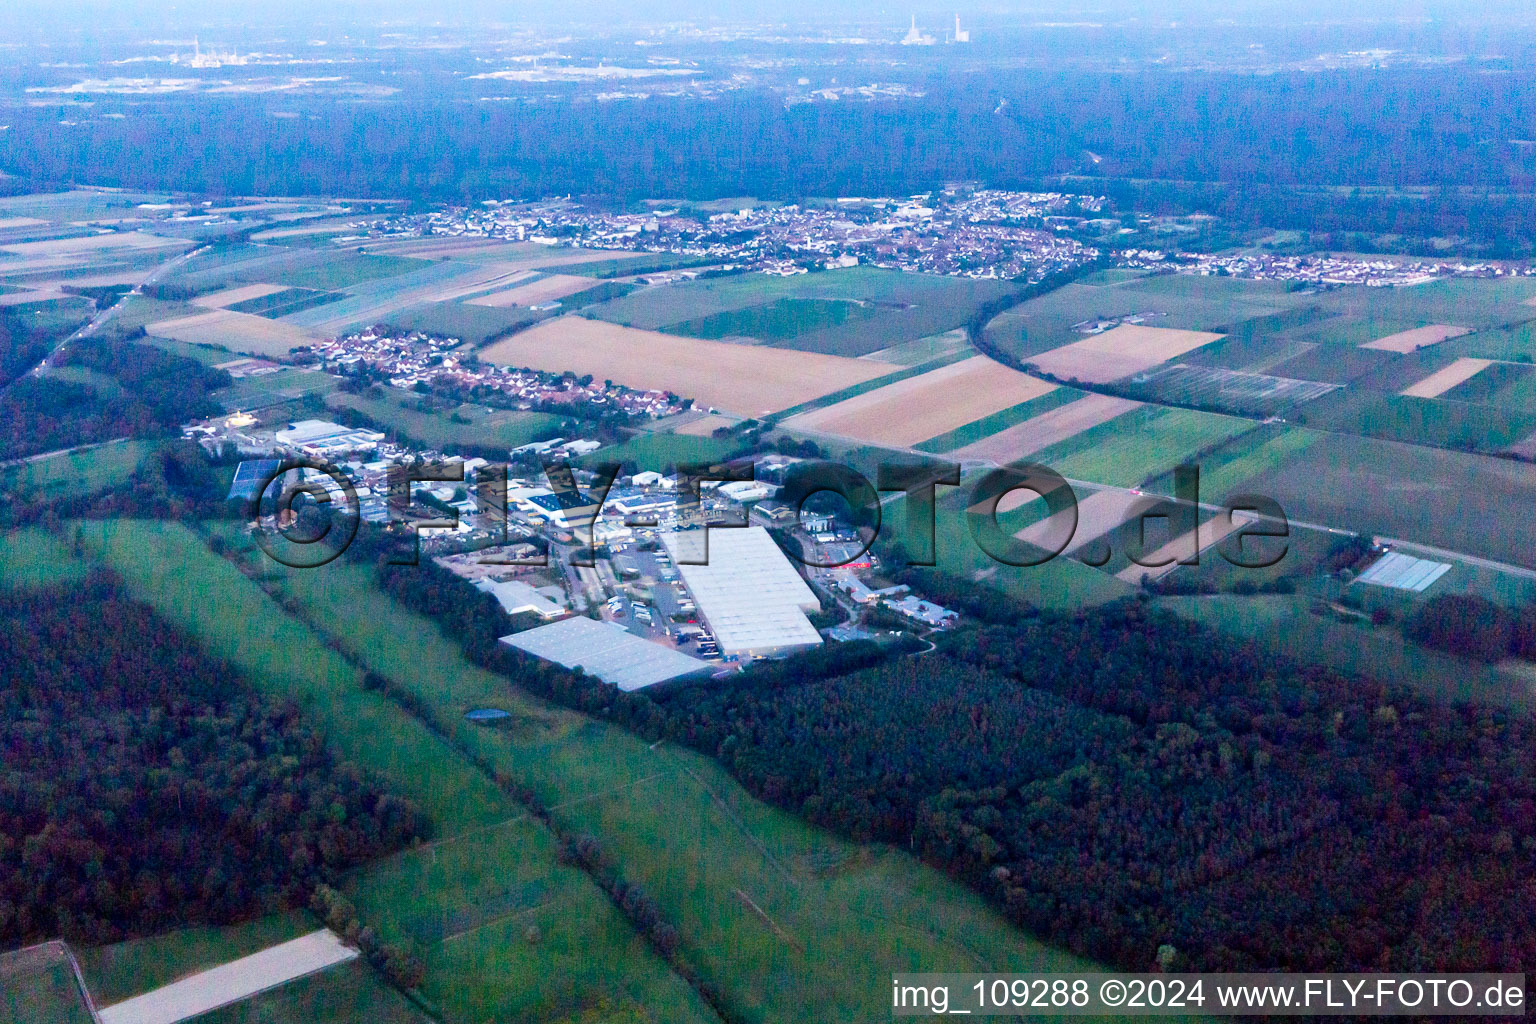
point(750, 595)
point(517, 597)
point(323, 439)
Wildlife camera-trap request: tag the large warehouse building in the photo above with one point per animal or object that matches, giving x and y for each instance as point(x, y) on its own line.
point(607, 651)
point(750, 596)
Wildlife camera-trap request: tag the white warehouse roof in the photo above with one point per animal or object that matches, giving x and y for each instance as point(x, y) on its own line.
point(607, 651)
point(516, 596)
point(752, 598)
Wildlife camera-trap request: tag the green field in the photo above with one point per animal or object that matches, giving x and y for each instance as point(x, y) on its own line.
point(1060, 583)
point(342, 271)
point(504, 428)
point(270, 389)
point(1226, 470)
point(290, 300)
point(779, 320)
point(171, 569)
point(1512, 385)
point(896, 307)
point(347, 994)
point(1468, 503)
point(74, 474)
point(1435, 421)
point(140, 310)
point(31, 558)
point(660, 452)
point(48, 995)
point(639, 263)
point(1139, 445)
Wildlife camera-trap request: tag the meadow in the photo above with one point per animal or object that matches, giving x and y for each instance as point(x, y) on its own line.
point(74, 474)
point(1470, 503)
point(801, 311)
point(779, 320)
point(1290, 627)
point(1139, 445)
point(499, 428)
point(33, 558)
point(661, 452)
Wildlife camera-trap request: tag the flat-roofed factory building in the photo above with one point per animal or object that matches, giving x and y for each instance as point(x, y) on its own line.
point(749, 594)
point(607, 651)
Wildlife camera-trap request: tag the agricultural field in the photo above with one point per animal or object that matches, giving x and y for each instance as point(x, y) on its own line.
point(336, 272)
point(1058, 583)
point(1417, 338)
point(745, 379)
point(1236, 391)
point(474, 325)
point(779, 320)
point(547, 288)
point(1227, 469)
point(1139, 445)
point(1118, 353)
point(1469, 503)
point(854, 311)
point(1172, 302)
point(916, 409)
point(1506, 384)
point(33, 558)
point(1046, 428)
point(1432, 421)
point(238, 295)
point(998, 422)
point(497, 428)
point(238, 332)
point(284, 301)
point(662, 452)
point(78, 473)
point(343, 994)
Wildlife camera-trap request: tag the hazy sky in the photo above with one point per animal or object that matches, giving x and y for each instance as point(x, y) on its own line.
point(28, 21)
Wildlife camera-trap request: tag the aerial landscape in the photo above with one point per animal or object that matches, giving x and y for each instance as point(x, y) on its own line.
point(694, 513)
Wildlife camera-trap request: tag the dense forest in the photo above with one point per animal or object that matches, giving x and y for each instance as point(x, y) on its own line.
point(146, 787)
point(133, 390)
point(1421, 152)
point(24, 343)
point(1116, 780)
